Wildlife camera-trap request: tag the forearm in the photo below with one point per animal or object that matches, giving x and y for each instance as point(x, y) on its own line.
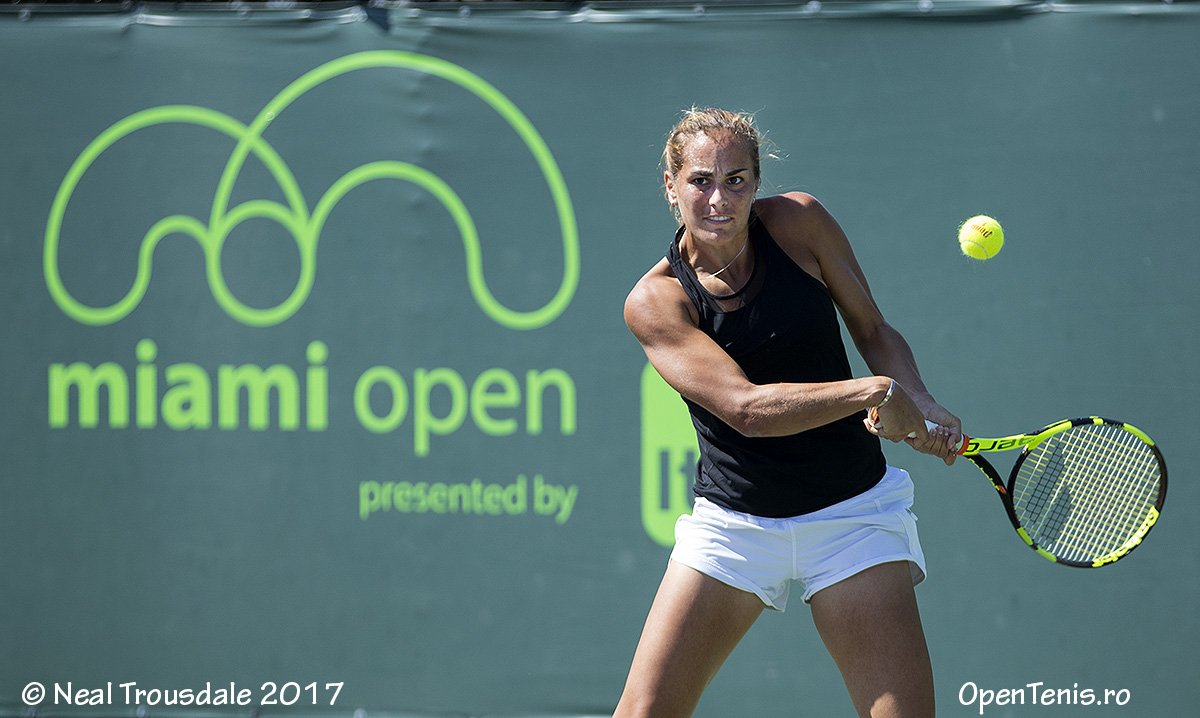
point(888, 354)
point(785, 409)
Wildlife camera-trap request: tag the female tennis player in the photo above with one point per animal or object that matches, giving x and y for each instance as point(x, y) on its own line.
point(792, 487)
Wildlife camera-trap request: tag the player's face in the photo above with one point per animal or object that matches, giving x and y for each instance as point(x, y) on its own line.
point(715, 187)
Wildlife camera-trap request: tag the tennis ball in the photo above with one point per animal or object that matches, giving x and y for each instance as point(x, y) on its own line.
point(980, 237)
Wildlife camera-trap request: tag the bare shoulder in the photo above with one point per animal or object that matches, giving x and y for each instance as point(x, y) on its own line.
point(657, 303)
point(793, 215)
point(788, 202)
point(803, 228)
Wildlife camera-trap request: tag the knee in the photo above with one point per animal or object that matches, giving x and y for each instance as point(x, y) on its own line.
point(915, 704)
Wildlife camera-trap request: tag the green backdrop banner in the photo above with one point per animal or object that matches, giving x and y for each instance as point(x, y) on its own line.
point(317, 393)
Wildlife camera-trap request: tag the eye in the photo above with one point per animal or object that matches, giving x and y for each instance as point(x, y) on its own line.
point(700, 181)
point(736, 180)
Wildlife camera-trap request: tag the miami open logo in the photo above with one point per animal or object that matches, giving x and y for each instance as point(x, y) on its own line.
point(188, 396)
point(302, 222)
point(138, 391)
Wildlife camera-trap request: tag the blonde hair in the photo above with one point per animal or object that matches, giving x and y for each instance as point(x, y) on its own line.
point(710, 121)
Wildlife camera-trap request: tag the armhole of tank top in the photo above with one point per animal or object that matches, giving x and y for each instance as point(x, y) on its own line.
point(783, 255)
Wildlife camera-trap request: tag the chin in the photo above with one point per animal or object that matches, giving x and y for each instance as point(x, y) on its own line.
point(721, 230)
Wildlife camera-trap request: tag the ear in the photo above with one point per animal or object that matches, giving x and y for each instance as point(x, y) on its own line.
point(669, 183)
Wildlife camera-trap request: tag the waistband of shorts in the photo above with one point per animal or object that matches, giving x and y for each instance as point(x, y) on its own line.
point(895, 485)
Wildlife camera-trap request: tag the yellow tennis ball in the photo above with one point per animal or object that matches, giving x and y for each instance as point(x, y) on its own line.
point(980, 237)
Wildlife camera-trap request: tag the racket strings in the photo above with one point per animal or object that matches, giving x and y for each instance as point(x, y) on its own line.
point(1067, 514)
point(1103, 514)
point(1086, 492)
point(1128, 485)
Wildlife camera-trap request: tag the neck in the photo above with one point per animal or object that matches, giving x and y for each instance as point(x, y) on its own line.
point(723, 266)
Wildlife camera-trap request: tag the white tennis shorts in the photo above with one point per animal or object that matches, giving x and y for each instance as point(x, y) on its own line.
point(763, 556)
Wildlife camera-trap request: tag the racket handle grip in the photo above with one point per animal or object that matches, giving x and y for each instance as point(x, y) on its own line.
point(930, 426)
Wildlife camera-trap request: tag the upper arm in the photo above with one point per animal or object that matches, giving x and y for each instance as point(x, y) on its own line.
point(661, 317)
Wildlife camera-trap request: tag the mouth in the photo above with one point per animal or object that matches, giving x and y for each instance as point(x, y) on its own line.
point(719, 218)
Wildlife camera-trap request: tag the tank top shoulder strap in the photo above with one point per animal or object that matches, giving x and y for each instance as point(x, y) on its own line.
point(688, 279)
point(765, 241)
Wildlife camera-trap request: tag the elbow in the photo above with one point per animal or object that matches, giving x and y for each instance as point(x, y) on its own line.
point(747, 418)
point(754, 429)
point(869, 338)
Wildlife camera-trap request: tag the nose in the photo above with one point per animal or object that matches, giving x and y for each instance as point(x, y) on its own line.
point(718, 198)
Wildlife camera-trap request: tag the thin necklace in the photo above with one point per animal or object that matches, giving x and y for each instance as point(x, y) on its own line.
point(735, 258)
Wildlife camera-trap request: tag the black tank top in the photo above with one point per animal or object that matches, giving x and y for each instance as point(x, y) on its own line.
point(786, 330)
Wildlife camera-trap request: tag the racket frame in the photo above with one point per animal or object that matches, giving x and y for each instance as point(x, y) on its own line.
point(971, 448)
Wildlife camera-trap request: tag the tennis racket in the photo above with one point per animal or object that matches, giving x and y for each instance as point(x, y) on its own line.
point(1083, 492)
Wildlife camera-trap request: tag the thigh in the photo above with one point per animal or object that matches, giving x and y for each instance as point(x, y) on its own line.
point(693, 626)
point(872, 628)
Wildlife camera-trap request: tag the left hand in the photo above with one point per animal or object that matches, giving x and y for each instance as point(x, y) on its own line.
point(941, 441)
